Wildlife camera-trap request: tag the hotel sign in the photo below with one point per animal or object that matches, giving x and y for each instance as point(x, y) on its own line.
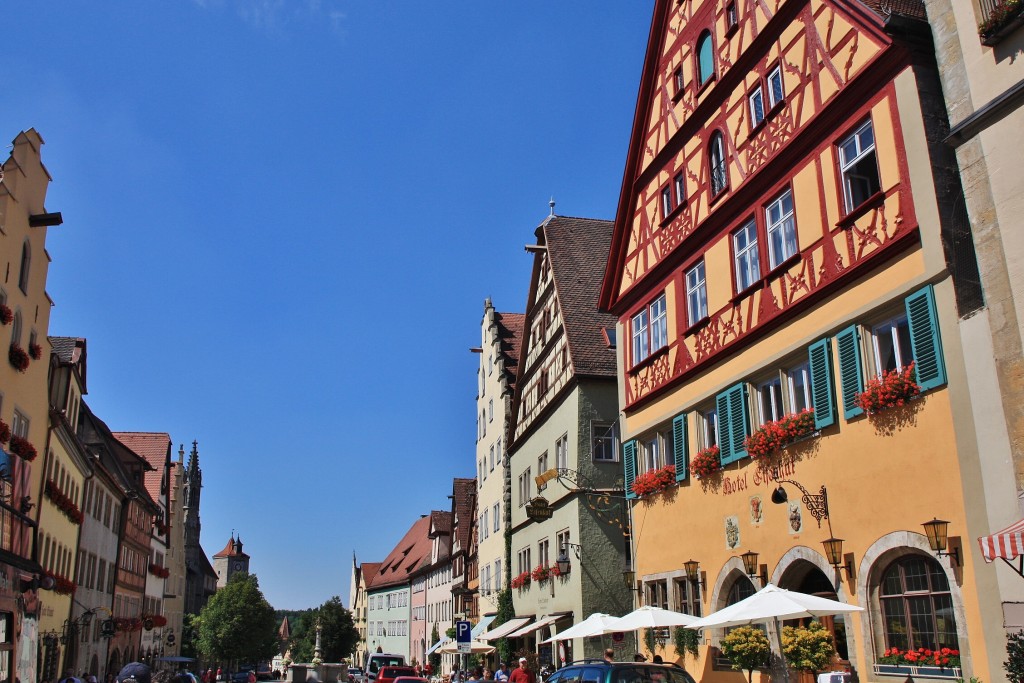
point(539, 509)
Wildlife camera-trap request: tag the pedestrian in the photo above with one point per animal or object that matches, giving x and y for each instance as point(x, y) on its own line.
point(609, 655)
point(522, 673)
point(501, 674)
point(207, 675)
point(639, 658)
point(109, 678)
point(658, 660)
point(134, 672)
point(220, 674)
point(69, 677)
point(488, 675)
point(252, 676)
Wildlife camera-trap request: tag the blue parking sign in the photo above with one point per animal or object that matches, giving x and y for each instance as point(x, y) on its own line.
point(463, 635)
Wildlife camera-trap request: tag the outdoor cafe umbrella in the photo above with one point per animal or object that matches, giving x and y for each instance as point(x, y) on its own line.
point(476, 647)
point(594, 625)
point(649, 616)
point(772, 603)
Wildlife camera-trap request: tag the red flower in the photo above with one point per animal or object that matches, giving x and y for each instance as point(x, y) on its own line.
point(892, 389)
point(706, 463)
point(773, 436)
point(21, 447)
point(654, 480)
point(5, 432)
point(35, 350)
point(6, 316)
point(18, 358)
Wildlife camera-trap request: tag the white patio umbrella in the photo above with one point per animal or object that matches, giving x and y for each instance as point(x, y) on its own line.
point(594, 625)
point(649, 616)
point(476, 647)
point(772, 603)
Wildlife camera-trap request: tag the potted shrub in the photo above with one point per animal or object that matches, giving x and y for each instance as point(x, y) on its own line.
point(808, 649)
point(747, 649)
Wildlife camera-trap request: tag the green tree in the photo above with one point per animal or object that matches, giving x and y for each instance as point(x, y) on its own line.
point(338, 634)
point(747, 648)
point(238, 623)
point(435, 657)
point(1014, 663)
point(190, 636)
point(808, 649)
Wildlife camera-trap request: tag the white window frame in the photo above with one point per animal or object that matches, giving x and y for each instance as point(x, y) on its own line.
point(747, 258)
point(785, 223)
point(649, 329)
point(496, 513)
point(860, 153)
point(543, 552)
point(776, 87)
point(773, 406)
point(755, 100)
point(891, 329)
point(696, 293)
point(708, 424)
point(562, 452)
point(679, 188)
point(798, 384)
point(666, 202)
point(716, 162)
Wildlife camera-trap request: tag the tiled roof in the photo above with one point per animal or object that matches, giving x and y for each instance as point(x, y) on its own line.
point(907, 8)
point(463, 501)
point(441, 521)
point(67, 348)
point(510, 332)
point(578, 252)
point(232, 549)
point(406, 556)
point(154, 448)
point(369, 570)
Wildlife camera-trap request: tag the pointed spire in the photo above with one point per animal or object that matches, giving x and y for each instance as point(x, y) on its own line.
point(551, 206)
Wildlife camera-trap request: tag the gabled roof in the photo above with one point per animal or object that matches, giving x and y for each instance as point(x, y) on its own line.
point(232, 549)
point(405, 558)
point(155, 448)
point(121, 462)
point(510, 332)
point(71, 351)
point(577, 251)
point(440, 522)
point(369, 570)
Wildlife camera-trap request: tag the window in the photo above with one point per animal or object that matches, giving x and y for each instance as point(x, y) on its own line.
point(562, 540)
point(523, 561)
point(656, 449)
point(744, 246)
point(496, 514)
point(649, 329)
point(890, 342)
point(687, 597)
point(733, 423)
point(485, 527)
point(490, 410)
point(679, 187)
point(677, 80)
point(491, 457)
point(775, 91)
point(657, 593)
point(716, 164)
point(705, 58)
point(16, 329)
point(798, 381)
point(859, 166)
point(708, 424)
point(19, 425)
point(543, 554)
point(524, 487)
point(562, 452)
point(732, 19)
point(917, 609)
point(604, 447)
point(26, 263)
point(666, 202)
point(542, 465)
point(756, 100)
point(696, 294)
point(769, 401)
point(781, 229)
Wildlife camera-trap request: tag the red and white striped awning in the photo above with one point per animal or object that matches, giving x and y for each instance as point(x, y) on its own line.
point(1007, 544)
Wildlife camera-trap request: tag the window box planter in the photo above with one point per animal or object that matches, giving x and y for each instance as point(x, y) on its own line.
point(904, 670)
point(18, 358)
point(5, 432)
point(21, 447)
point(35, 351)
point(521, 581)
point(893, 389)
point(654, 481)
point(707, 463)
point(774, 436)
point(1005, 18)
point(6, 316)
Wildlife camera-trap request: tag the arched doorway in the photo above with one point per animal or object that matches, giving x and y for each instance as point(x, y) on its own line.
point(114, 666)
point(94, 666)
point(805, 577)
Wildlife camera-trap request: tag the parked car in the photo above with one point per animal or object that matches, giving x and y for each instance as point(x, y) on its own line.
point(356, 675)
point(411, 679)
point(600, 671)
point(388, 674)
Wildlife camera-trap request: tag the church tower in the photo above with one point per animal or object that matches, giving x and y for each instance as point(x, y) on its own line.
point(193, 489)
point(230, 561)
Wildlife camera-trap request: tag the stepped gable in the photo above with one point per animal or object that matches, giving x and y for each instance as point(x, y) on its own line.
point(578, 253)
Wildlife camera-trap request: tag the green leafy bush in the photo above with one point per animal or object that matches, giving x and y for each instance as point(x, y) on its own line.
point(1014, 663)
point(747, 648)
point(809, 649)
point(687, 641)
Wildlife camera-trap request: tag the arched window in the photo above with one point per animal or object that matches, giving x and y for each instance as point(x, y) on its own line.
point(26, 261)
point(716, 163)
point(917, 608)
point(705, 58)
point(16, 329)
point(741, 589)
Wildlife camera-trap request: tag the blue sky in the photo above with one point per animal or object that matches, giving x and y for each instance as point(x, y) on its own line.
point(281, 219)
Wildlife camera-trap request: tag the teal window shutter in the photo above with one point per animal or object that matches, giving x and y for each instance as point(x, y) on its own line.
point(629, 465)
point(724, 444)
point(680, 446)
point(924, 339)
point(819, 357)
point(734, 422)
point(851, 373)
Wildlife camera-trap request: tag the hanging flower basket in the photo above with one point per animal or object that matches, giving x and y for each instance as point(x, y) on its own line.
point(654, 480)
point(521, 581)
point(5, 432)
point(774, 436)
point(706, 463)
point(6, 316)
point(18, 358)
point(892, 389)
point(21, 447)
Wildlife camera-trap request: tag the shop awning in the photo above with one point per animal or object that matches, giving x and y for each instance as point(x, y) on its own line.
point(482, 625)
point(506, 628)
point(1007, 545)
point(530, 628)
point(442, 641)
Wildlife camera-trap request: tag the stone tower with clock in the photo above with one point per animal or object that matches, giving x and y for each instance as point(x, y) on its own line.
point(230, 561)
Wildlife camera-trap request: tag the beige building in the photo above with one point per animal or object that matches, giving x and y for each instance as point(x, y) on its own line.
point(24, 324)
point(983, 82)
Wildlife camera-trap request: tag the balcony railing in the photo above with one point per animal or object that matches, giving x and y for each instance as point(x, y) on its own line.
point(18, 534)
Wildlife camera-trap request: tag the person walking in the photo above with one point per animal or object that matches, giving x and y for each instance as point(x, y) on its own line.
point(501, 674)
point(522, 673)
point(609, 655)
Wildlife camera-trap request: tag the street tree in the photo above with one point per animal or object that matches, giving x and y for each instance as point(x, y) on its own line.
point(238, 623)
point(338, 634)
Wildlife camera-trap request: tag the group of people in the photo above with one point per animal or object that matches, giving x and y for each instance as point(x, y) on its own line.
point(133, 672)
point(521, 674)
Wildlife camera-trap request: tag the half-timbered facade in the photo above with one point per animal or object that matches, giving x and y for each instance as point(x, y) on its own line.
point(788, 307)
point(564, 414)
